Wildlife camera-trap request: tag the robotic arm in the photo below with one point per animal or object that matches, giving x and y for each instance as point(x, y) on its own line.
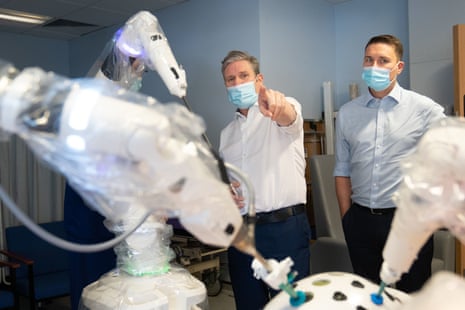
point(140, 45)
point(125, 152)
point(121, 153)
point(432, 196)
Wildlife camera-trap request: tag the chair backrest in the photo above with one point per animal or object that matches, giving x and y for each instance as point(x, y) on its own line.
point(325, 206)
point(444, 251)
point(47, 257)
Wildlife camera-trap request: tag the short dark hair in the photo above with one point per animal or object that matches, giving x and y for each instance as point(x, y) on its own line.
point(234, 56)
point(389, 40)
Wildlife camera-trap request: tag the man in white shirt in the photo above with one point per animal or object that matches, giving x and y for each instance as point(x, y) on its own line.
point(265, 140)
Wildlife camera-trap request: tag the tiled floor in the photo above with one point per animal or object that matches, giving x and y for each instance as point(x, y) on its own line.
point(224, 301)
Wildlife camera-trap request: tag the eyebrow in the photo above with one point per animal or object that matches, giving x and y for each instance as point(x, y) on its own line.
point(377, 57)
point(239, 73)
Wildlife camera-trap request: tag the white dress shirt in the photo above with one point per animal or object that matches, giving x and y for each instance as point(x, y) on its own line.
point(272, 157)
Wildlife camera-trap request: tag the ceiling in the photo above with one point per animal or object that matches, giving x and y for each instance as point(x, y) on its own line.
point(75, 18)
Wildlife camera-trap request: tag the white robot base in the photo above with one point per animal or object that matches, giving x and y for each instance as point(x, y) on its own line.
point(176, 289)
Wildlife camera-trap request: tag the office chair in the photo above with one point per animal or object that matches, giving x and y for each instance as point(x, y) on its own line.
point(443, 252)
point(44, 271)
point(9, 298)
point(329, 252)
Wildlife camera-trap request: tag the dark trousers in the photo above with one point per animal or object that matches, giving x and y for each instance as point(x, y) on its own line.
point(273, 240)
point(366, 235)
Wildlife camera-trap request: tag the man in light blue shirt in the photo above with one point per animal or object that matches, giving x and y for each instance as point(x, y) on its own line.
point(374, 132)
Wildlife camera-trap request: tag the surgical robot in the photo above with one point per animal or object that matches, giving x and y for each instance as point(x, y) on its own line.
point(134, 160)
point(138, 46)
point(141, 45)
point(431, 197)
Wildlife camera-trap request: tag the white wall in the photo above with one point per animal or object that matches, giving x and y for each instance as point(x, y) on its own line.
point(431, 47)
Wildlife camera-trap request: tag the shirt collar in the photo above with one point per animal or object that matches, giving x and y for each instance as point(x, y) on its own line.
point(394, 96)
point(238, 114)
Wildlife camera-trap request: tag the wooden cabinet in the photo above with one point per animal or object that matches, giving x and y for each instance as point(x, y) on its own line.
point(314, 135)
point(458, 32)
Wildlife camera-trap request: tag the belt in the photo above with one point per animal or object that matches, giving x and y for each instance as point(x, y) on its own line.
point(375, 211)
point(276, 216)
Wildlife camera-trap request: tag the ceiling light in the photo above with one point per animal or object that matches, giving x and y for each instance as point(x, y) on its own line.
point(22, 17)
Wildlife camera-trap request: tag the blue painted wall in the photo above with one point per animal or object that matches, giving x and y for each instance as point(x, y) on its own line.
point(431, 47)
point(297, 49)
point(300, 43)
point(356, 22)
point(29, 51)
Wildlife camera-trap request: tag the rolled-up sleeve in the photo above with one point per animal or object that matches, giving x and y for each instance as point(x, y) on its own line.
point(296, 126)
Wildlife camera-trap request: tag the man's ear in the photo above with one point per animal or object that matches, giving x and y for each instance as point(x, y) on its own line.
point(259, 77)
point(400, 67)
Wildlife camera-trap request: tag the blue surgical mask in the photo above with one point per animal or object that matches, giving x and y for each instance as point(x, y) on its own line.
point(376, 78)
point(242, 96)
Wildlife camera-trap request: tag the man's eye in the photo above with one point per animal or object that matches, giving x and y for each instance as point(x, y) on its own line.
point(244, 76)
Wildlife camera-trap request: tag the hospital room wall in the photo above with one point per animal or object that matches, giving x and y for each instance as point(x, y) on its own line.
point(355, 22)
point(296, 42)
point(29, 51)
point(282, 37)
point(431, 48)
point(425, 28)
point(281, 34)
point(300, 44)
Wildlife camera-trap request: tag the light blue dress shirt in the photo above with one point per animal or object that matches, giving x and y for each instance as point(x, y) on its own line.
point(374, 135)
